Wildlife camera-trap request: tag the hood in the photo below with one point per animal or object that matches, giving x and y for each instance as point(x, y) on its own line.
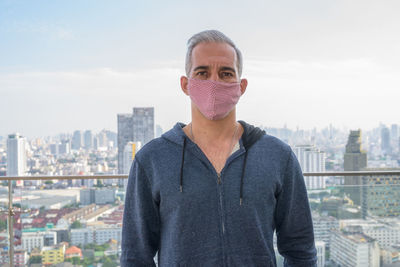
point(251, 134)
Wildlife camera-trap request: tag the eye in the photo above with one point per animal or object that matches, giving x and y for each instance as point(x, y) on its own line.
point(227, 74)
point(201, 73)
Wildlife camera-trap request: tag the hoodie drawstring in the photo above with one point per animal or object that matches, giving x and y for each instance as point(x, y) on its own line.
point(241, 179)
point(183, 159)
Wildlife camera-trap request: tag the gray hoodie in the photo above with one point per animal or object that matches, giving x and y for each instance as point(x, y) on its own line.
point(178, 205)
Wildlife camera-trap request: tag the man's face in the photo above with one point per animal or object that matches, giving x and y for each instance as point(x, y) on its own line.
point(214, 61)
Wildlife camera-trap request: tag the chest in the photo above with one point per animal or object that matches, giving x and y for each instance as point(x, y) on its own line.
point(218, 155)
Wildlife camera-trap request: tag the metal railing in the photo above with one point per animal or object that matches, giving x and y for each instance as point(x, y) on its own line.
point(124, 176)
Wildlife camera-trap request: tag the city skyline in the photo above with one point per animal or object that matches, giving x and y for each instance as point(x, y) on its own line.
point(309, 64)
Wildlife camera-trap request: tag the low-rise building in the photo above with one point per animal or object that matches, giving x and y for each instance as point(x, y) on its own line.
point(73, 252)
point(20, 257)
point(386, 232)
point(390, 256)
point(31, 240)
point(54, 254)
point(96, 234)
point(354, 250)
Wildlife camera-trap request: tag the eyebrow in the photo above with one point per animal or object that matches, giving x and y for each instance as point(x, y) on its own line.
point(201, 68)
point(206, 68)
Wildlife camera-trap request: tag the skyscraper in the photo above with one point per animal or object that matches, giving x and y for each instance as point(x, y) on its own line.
point(125, 135)
point(129, 154)
point(88, 140)
point(76, 140)
point(143, 124)
point(311, 159)
point(355, 159)
point(135, 127)
point(381, 195)
point(64, 147)
point(385, 141)
point(16, 156)
point(394, 134)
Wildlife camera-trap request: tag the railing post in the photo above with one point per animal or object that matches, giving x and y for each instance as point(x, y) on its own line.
point(10, 223)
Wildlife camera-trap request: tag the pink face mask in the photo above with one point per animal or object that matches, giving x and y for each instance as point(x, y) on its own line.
point(214, 99)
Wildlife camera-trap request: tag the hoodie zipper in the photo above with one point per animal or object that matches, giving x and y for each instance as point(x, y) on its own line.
point(220, 201)
point(219, 182)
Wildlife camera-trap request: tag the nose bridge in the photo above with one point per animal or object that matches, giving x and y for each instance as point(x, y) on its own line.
point(214, 73)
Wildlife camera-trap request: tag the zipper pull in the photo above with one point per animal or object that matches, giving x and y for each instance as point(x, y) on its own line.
point(219, 178)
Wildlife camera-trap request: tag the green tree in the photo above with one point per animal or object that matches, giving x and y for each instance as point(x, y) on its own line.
point(109, 263)
point(74, 260)
point(3, 225)
point(99, 183)
point(35, 259)
point(76, 225)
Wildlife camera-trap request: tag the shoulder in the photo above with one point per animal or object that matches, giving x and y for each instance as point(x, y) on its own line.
point(273, 144)
point(151, 148)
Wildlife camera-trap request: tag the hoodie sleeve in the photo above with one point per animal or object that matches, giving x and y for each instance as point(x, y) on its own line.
point(141, 227)
point(293, 220)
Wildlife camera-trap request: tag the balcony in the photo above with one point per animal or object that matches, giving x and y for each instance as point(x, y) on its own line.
point(49, 210)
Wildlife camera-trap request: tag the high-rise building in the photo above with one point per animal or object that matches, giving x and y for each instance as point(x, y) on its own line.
point(354, 249)
point(77, 140)
point(385, 141)
point(125, 135)
point(129, 154)
point(88, 140)
point(97, 196)
point(112, 138)
point(136, 127)
point(54, 149)
point(159, 130)
point(143, 124)
point(320, 246)
point(103, 140)
point(16, 156)
point(323, 227)
point(64, 147)
point(355, 159)
point(311, 159)
point(381, 195)
point(86, 196)
point(394, 134)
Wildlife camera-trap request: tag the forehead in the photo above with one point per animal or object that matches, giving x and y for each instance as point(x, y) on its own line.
point(213, 53)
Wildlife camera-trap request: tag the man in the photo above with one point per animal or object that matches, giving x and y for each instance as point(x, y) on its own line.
point(212, 193)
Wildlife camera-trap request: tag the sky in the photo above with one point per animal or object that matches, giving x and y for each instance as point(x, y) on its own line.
point(74, 65)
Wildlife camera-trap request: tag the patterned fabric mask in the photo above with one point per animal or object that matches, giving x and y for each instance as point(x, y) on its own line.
point(214, 99)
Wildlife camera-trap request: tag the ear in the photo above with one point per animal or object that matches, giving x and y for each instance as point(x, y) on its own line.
point(184, 84)
point(243, 85)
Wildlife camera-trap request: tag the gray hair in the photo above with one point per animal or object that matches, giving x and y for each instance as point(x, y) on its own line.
point(210, 36)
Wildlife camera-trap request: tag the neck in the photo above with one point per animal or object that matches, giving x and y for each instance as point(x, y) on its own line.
point(210, 131)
